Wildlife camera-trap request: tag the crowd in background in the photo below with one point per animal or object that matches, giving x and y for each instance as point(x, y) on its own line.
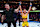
point(34, 16)
point(15, 4)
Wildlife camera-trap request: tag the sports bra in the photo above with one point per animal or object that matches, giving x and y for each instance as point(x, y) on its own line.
point(24, 16)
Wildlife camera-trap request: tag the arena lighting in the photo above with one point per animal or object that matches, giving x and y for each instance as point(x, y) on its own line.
point(1, 10)
point(37, 5)
point(34, 8)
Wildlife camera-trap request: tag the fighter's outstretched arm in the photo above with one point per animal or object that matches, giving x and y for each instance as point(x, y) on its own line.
point(29, 8)
point(20, 7)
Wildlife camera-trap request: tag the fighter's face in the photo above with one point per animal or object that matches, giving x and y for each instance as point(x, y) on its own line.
point(24, 10)
point(7, 6)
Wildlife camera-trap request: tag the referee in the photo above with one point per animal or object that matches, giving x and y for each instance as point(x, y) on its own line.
point(8, 13)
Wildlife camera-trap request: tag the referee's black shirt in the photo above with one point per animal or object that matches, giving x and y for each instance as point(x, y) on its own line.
point(9, 15)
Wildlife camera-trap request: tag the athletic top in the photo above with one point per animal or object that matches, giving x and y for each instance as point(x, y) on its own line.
point(24, 16)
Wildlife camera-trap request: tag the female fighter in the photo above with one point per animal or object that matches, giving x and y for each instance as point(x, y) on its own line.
point(25, 15)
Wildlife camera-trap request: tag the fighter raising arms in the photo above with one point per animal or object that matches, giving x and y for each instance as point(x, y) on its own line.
point(25, 15)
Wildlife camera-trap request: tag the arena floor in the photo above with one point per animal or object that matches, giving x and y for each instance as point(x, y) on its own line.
point(31, 24)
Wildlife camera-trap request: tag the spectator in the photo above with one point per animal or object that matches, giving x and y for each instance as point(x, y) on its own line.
point(39, 17)
point(34, 18)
